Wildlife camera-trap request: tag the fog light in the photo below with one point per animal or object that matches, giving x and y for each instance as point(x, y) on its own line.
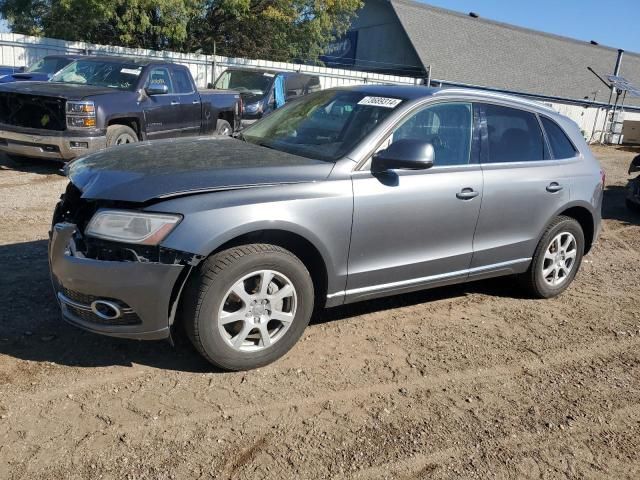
point(79, 144)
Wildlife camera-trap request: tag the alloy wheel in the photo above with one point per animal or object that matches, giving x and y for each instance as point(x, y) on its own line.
point(257, 311)
point(559, 259)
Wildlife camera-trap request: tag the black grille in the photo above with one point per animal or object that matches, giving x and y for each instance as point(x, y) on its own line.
point(32, 111)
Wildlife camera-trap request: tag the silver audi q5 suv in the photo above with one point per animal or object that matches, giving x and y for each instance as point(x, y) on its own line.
point(341, 196)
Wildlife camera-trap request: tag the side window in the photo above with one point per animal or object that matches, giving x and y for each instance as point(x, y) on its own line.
point(160, 76)
point(447, 126)
point(514, 135)
point(561, 146)
point(182, 81)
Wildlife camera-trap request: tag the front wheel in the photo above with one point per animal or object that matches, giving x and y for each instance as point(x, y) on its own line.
point(120, 135)
point(556, 260)
point(247, 306)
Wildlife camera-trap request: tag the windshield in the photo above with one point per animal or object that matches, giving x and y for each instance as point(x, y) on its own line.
point(45, 65)
point(120, 75)
point(257, 83)
point(323, 125)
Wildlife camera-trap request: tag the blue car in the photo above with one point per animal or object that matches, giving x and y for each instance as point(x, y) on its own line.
point(42, 70)
point(9, 70)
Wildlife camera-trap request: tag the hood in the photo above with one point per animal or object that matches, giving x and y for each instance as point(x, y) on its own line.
point(68, 91)
point(145, 171)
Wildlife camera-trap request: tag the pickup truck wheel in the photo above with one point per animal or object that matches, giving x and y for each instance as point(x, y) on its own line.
point(120, 135)
point(247, 306)
point(556, 260)
point(223, 128)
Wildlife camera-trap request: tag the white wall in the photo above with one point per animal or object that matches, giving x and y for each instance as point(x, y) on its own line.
point(19, 50)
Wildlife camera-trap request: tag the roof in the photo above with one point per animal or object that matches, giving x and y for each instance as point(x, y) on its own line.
point(143, 62)
point(478, 52)
point(417, 92)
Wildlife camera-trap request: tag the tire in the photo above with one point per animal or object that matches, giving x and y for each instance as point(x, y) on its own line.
point(224, 128)
point(208, 297)
point(535, 282)
point(120, 135)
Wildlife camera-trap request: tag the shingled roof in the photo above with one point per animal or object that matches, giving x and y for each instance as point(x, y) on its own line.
point(491, 54)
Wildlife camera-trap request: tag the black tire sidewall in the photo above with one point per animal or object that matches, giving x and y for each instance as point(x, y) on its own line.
point(114, 131)
point(215, 347)
point(563, 225)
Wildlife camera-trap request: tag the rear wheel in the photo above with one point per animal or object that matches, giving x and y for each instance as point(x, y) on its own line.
point(120, 135)
point(247, 306)
point(224, 128)
point(556, 260)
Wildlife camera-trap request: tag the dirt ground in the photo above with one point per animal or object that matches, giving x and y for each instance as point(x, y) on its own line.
point(458, 382)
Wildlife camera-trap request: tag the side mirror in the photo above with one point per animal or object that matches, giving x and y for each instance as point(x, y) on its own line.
point(156, 89)
point(405, 154)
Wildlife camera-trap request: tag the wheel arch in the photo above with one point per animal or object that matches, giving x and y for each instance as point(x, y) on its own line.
point(131, 122)
point(584, 217)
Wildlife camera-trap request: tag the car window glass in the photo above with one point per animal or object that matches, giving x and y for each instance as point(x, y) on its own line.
point(160, 76)
point(182, 80)
point(447, 126)
point(514, 135)
point(561, 146)
point(324, 125)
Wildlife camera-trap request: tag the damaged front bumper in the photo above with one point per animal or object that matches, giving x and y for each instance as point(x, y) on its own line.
point(116, 298)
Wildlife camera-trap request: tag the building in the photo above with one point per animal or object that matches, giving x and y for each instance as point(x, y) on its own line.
point(404, 37)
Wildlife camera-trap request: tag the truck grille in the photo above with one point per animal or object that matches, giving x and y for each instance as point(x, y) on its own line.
point(32, 111)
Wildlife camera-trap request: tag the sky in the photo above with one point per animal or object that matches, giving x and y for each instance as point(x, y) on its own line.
point(587, 20)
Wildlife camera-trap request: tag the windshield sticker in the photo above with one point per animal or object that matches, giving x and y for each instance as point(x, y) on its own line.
point(130, 71)
point(380, 102)
point(268, 74)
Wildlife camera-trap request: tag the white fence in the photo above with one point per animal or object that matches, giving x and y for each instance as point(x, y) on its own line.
point(21, 50)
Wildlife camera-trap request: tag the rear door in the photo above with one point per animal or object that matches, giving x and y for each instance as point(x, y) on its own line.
point(162, 112)
point(523, 187)
point(190, 106)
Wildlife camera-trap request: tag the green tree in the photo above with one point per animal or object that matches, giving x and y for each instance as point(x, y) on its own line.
point(282, 30)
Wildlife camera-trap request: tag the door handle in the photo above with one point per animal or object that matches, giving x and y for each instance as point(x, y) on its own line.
point(196, 102)
point(554, 187)
point(175, 102)
point(467, 194)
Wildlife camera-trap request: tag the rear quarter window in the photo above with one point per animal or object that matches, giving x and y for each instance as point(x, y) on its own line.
point(561, 146)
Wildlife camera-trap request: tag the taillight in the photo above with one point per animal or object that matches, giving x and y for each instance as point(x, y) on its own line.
point(603, 177)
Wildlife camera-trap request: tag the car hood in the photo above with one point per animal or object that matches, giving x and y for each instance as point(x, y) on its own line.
point(68, 91)
point(145, 171)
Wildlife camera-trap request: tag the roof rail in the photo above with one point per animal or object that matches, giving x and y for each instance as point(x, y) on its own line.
point(495, 95)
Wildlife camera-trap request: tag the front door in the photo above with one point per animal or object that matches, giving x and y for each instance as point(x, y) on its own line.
point(162, 112)
point(524, 187)
point(413, 229)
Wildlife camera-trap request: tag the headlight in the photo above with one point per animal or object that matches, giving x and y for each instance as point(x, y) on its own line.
point(132, 227)
point(81, 115)
point(253, 107)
